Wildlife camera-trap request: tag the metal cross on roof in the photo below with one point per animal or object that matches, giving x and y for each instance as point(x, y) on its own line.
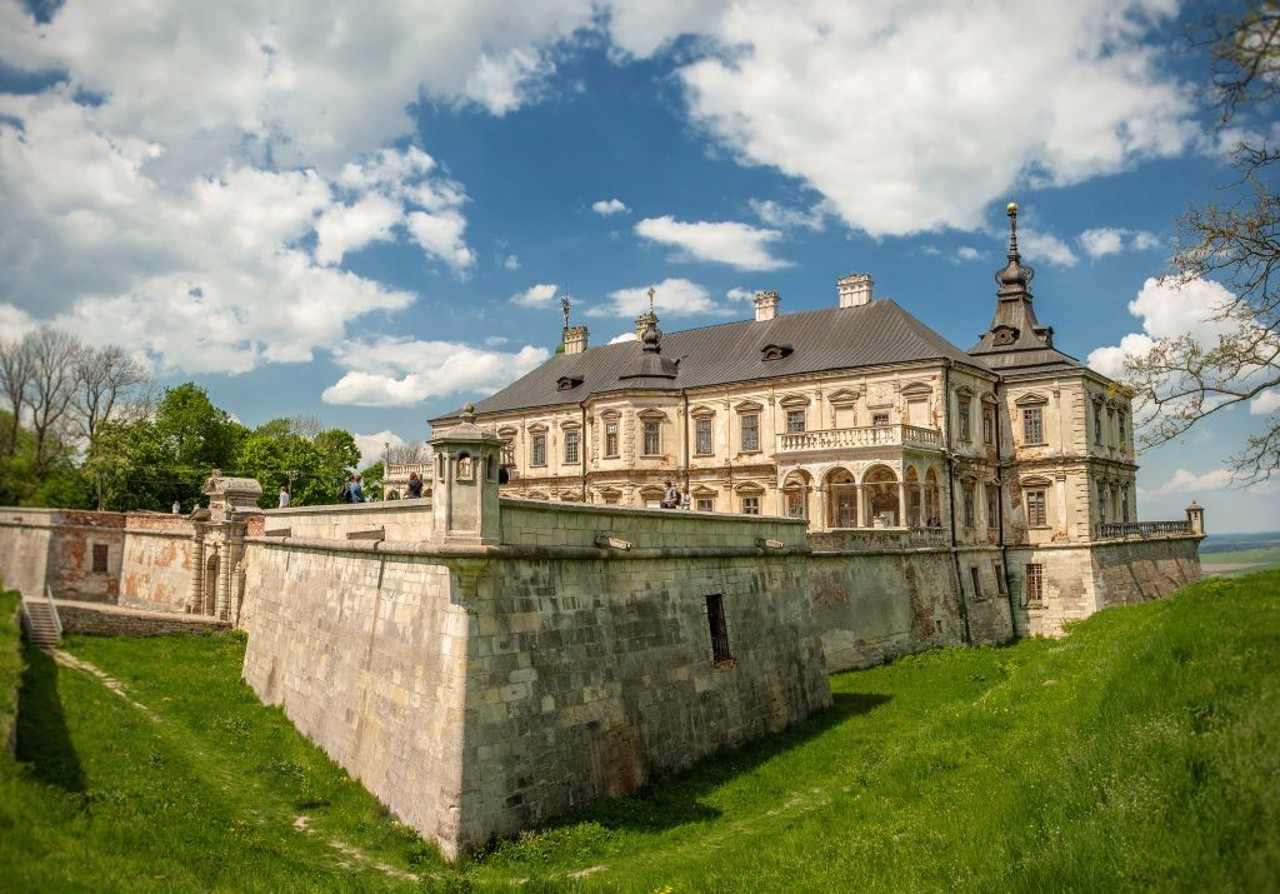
point(565, 304)
point(651, 294)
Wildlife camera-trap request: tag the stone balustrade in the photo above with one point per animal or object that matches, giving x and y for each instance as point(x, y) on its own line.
point(1141, 530)
point(863, 436)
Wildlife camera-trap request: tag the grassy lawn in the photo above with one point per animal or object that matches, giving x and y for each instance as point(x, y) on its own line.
point(1141, 752)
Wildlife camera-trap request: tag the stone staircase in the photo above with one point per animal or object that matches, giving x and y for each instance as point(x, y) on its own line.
point(40, 622)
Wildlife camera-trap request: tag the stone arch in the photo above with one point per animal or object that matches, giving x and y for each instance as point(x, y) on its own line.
point(881, 493)
point(932, 499)
point(796, 490)
point(915, 498)
point(212, 571)
point(842, 498)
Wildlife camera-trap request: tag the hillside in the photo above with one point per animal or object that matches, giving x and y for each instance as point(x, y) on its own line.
point(1140, 752)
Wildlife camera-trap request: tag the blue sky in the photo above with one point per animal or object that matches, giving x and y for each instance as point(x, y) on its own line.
point(370, 216)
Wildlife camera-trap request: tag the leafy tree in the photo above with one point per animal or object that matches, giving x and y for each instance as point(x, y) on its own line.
point(1238, 244)
point(371, 481)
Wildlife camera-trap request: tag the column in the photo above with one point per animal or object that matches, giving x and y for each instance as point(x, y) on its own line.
point(902, 505)
point(195, 595)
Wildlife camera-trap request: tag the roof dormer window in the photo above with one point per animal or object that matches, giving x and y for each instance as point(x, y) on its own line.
point(775, 352)
point(568, 383)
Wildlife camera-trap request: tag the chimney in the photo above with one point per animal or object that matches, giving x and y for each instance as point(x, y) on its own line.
point(575, 339)
point(855, 289)
point(766, 306)
point(642, 323)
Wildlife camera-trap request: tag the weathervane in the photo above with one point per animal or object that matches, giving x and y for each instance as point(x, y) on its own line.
point(651, 294)
point(565, 304)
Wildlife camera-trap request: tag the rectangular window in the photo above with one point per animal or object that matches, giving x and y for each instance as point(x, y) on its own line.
point(652, 438)
point(1036, 515)
point(1035, 583)
point(1124, 435)
point(750, 505)
point(539, 451)
point(968, 506)
point(976, 580)
point(702, 437)
point(795, 505)
point(1097, 423)
point(1032, 425)
point(879, 418)
point(611, 439)
point(988, 425)
point(844, 416)
point(571, 447)
point(999, 576)
point(750, 433)
point(1124, 505)
point(795, 421)
point(719, 629)
point(1102, 502)
point(993, 506)
point(962, 423)
point(705, 504)
point(508, 452)
point(100, 557)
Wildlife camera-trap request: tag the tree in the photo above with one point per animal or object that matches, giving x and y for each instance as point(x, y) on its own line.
point(16, 370)
point(107, 380)
point(1182, 379)
point(49, 392)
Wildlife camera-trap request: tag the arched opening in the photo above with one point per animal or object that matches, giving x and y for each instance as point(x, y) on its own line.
point(211, 569)
point(842, 499)
point(932, 500)
point(880, 489)
point(795, 494)
point(915, 499)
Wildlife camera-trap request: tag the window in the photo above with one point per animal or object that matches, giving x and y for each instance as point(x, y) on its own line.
point(1124, 504)
point(795, 421)
point(750, 433)
point(976, 580)
point(989, 425)
point(962, 422)
point(968, 505)
point(652, 437)
point(702, 437)
point(571, 447)
point(995, 570)
point(1036, 515)
point(1102, 502)
point(1111, 419)
point(750, 505)
point(993, 506)
point(1097, 423)
point(509, 452)
point(1035, 583)
point(1032, 425)
point(719, 629)
point(611, 439)
point(795, 504)
point(879, 418)
point(705, 504)
point(539, 451)
point(100, 557)
point(1124, 435)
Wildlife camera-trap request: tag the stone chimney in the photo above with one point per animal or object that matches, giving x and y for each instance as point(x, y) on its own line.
point(766, 306)
point(855, 289)
point(575, 339)
point(642, 323)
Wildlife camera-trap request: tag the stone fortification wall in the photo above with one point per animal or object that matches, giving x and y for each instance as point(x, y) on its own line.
point(1133, 571)
point(75, 553)
point(110, 620)
point(478, 693)
point(401, 520)
point(156, 569)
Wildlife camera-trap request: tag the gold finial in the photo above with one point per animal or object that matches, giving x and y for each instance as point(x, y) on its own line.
point(1012, 210)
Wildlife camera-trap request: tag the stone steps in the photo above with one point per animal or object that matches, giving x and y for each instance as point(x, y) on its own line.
point(39, 622)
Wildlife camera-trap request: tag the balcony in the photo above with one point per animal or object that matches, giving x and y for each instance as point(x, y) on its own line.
point(866, 436)
point(1144, 530)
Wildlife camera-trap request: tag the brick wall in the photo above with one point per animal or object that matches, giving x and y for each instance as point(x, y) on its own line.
point(85, 619)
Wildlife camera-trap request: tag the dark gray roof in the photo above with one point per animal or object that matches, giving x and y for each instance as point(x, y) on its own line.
point(836, 338)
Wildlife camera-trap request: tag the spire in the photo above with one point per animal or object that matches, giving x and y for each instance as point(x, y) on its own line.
point(1015, 279)
point(1014, 327)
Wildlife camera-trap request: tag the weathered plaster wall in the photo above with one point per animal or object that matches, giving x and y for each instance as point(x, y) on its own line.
point(1141, 570)
point(25, 535)
point(155, 571)
point(55, 547)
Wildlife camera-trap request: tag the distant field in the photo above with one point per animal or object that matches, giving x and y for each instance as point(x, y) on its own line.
point(1140, 752)
point(1241, 561)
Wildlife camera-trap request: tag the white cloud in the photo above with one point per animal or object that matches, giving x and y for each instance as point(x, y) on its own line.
point(373, 448)
point(511, 262)
point(1103, 241)
point(740, 294)
point(671, 297)
point(779, 91)
point(535, 296)
point(608, 207)
point(441, 235)
point(1110, 360)
point(1184, 482)
point(626, 336)
point(965, 253)
point(1265, 403)
point(401, 372)
point(14, 323)
point(739, 245)
point(776, 215)
point(345, 228)
point(1045, 247)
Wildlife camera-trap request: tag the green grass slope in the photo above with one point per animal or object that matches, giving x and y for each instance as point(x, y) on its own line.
point(1140, 752)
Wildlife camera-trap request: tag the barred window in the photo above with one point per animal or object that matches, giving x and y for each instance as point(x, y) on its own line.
point(1097, 423)
point(611, 439)
point(706, 504)
point(968, 506)
point(795, 421)
point(702, 437)
point(1037, 517)
point(539, 451)
point(1032, 425)
point(652, 437)
point(750, 433)
point(880, 419)
point(962, 423)
point(750, 505)
point(508, 452)
point(1035, 583)
point(988, 425)
point(571, 447)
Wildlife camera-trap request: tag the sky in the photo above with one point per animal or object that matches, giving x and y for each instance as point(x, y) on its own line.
point(368, 213)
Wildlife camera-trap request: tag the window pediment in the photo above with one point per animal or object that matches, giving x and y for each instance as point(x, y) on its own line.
point(748, 406)
point(508, 431)
point(1035, 481)
point(917, 391)
point(702, 411)
point(795, 401)
point(748, 488)
point(1031, 399)
point(538, 428)
point(843, 397)
point(571, 425)
point(652, 415)
point(964, 392)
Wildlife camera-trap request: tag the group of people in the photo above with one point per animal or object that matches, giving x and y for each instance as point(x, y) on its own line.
point(352, 491)
point(674, 498)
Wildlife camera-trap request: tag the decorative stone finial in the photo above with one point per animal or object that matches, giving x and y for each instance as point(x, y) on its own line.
point(565, 304)
point(469, 413)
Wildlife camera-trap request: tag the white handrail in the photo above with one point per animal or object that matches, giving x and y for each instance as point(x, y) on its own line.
point(53, 610)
